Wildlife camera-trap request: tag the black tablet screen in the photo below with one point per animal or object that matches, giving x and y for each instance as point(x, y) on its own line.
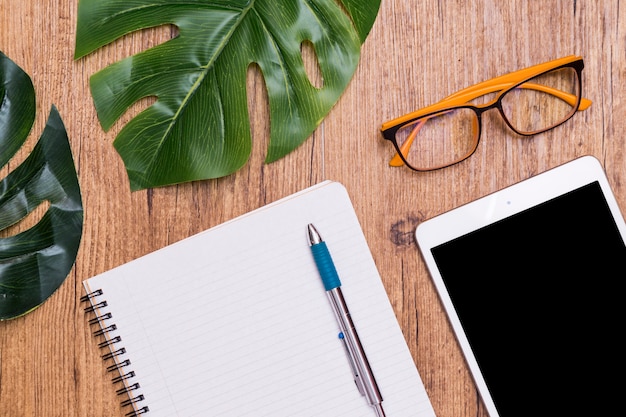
point(539, 297)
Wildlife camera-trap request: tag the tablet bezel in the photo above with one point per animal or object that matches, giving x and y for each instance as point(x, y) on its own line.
point(493, 208)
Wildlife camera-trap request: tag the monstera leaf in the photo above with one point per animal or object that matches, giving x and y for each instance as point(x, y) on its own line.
point(34, 262)
point(199, 128)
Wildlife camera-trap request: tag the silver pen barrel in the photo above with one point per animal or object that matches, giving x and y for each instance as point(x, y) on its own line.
point(355, 348)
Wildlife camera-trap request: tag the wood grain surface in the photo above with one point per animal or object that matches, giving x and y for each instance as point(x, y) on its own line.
point(418, 52)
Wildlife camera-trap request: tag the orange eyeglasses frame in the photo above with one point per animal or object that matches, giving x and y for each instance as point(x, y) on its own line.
point(501, 84)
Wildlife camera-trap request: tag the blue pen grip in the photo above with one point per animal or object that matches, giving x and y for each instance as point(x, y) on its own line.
point(325, 266)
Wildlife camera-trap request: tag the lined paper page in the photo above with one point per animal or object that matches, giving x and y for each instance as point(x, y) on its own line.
point(234, 321)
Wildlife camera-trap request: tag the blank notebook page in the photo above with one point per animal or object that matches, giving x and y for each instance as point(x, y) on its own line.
point(234, 321)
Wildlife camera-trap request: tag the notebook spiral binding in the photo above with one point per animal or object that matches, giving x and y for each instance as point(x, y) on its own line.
point(97, 306)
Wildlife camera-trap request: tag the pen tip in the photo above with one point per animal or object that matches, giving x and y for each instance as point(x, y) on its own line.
point(314, 236)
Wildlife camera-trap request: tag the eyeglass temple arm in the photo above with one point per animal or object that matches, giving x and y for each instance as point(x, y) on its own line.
point(396, 160)
point(493, 86)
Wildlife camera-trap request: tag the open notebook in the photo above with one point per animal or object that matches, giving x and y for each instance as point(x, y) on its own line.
point(234, 321)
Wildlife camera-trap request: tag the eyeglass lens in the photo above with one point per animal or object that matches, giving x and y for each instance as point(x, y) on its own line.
point(542, 102)
point(449, 136)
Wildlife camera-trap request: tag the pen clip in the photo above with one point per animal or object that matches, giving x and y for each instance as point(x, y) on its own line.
point(355, 373)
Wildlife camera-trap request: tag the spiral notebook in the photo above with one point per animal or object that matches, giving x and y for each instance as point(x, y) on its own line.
point(234, 321)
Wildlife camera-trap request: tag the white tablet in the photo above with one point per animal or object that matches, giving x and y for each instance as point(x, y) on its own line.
point(531, 280)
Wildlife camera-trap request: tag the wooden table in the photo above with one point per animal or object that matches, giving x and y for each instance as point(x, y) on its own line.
point(417, 53)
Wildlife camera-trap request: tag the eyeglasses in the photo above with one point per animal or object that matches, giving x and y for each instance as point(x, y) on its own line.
point(530, 101)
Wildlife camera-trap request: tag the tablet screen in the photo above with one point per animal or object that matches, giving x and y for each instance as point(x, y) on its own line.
point(539, 297)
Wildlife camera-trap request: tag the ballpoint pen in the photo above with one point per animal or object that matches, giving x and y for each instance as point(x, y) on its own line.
point(363, 375)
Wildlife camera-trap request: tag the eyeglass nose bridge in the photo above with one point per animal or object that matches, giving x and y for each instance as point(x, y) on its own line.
point(496, 103)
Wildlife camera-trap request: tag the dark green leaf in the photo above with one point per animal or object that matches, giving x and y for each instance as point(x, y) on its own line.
point(199, 127)
point(35, 262)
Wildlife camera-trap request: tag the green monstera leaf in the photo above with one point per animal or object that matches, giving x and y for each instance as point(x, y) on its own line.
point(34, 262)
point(199, 127)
